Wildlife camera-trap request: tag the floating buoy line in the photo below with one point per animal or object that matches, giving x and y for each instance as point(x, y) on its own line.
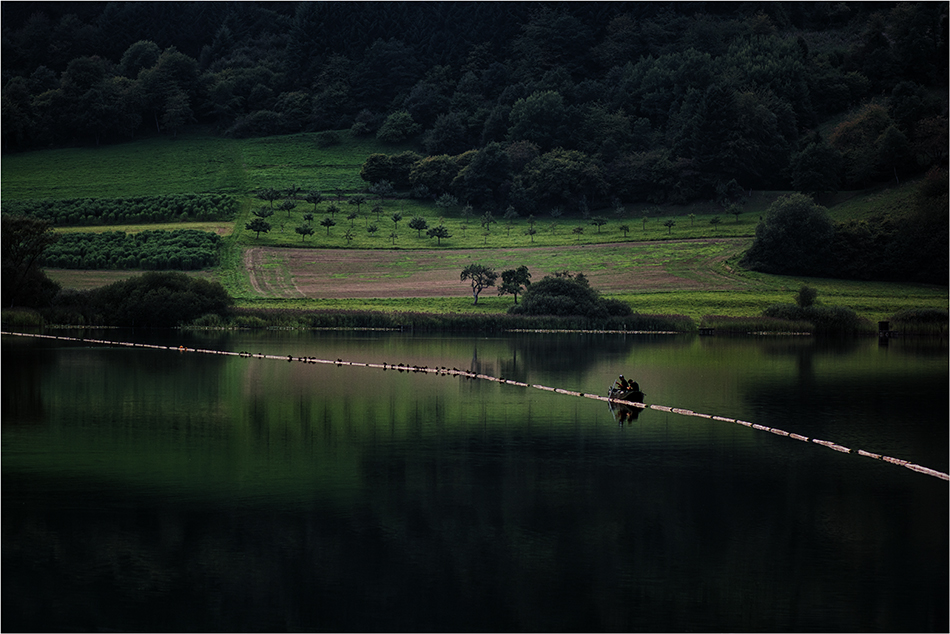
point(445, 371)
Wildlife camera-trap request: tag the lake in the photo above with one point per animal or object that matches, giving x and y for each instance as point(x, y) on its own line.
point(152, 489)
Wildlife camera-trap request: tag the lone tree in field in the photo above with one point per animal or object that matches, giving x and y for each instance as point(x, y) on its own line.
point(514, 281)
point(332, 209)
point(327, 222)
point(598, 221)
point(314, 198)
point(625, 229)
point(304, 231)
point(530, 231)
point(487, 220)
point(714, 221)
point(419, 224)
point(259, 225)
point(371, 229)
point(396, 217)
point(308, 217)
point(292, 191)
point(438, 233)
point(481, 277)
point(669, 224)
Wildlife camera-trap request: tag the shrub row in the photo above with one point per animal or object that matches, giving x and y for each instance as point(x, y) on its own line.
point(142, 209)
point(826, 319)
point(185, 249)
point(921, 321)
point(300, 318)
point(747, 325)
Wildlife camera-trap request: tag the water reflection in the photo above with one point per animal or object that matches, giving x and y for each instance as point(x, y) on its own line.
point(157, 490)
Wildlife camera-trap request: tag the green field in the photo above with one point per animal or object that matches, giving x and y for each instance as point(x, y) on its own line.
point(714, 284)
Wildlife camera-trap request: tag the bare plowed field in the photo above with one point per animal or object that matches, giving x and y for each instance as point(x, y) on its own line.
point(340, 273)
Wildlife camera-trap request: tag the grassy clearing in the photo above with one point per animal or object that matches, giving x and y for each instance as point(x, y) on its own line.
point(302, 160)
point(188, 164)
point(220, 227)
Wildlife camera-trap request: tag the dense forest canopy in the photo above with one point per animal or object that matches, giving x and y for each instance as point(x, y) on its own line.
point(511, 104)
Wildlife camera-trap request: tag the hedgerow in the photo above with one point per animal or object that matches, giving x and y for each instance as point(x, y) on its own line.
point(139, 210)
point(184, 249)
point(300, 318)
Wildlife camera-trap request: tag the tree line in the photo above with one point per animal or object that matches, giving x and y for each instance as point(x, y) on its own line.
point(797, 237)
point(647, 101)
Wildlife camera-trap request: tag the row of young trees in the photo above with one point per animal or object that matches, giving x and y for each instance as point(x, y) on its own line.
point(184, 250)
point(695, 94)
point(134, 210)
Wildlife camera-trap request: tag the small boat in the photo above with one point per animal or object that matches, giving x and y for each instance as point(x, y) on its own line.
point(624, 391)
point(626, 400)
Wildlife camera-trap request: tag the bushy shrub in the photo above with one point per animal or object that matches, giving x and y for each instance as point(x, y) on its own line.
point(794, 239)
point(149, 300)
point(567, 296)
point(826, 319)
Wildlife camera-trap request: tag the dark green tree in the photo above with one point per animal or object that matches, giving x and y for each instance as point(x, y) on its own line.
point(304, 231)
point(438, 232)
point(327, 222)
point(419, 224)
point(314, 198)
point(514, 281)
point(269, 194)
point(258, 225)
point(794, 239)
point(480, 276)
point(24, 240)
point(357, 200)
point(288, 206)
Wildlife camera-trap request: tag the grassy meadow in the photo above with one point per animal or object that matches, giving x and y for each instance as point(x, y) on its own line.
point(634, 239)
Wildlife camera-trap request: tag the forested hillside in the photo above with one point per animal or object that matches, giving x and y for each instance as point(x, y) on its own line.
point(555, 104)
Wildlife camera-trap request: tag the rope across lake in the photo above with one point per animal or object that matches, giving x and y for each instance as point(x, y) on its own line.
point(445, 371)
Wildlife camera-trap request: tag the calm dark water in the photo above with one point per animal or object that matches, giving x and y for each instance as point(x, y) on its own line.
point(157, 490)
